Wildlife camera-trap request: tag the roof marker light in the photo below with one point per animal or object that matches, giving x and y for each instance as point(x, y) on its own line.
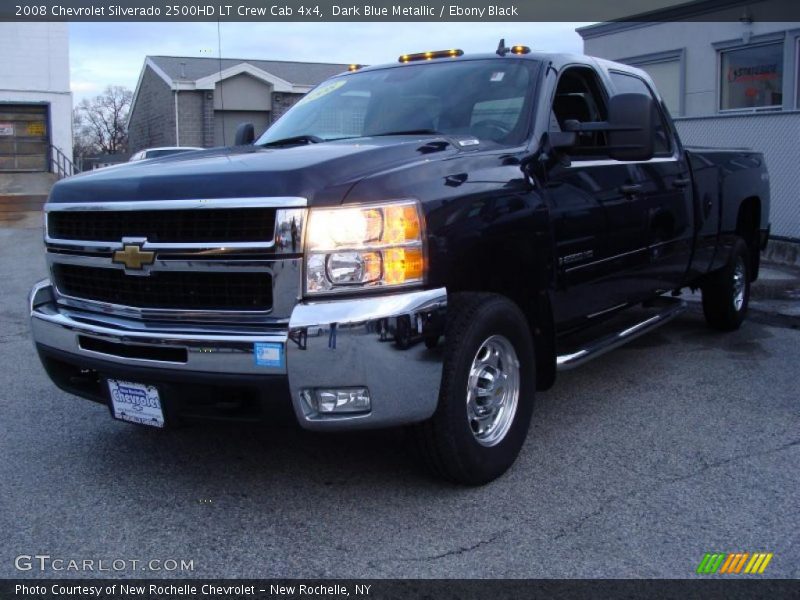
point(430, 55)
point(520, 50)
point(354, 67)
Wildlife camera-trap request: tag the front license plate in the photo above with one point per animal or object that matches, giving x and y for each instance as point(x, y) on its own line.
point(136, 402)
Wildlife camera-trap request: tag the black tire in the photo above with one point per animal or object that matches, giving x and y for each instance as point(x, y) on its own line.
point(446, 442)
point(431, 342)
point(723, 307)
point(402, 335)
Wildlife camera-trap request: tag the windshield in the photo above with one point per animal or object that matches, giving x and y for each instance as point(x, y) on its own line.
point(489, 99)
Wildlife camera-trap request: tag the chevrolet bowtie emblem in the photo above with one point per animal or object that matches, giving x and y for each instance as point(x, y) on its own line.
point(133, 257)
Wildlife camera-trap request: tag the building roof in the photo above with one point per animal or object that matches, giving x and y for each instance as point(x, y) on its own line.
point(193, 68)
point(203, 73)
point(697, 10)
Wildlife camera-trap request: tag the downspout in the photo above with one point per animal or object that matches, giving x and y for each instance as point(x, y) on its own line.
point(177, 127)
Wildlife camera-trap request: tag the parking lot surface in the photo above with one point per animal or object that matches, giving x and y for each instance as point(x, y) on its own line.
point(684, 442)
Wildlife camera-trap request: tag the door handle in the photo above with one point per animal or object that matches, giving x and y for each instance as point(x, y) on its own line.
point(681, 183)
point(629, 189)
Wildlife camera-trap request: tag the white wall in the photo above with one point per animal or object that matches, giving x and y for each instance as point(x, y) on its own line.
point(35, 68)
point(701, 73)
point(35, 56)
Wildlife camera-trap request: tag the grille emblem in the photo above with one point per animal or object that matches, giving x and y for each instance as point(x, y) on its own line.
point(133, 257)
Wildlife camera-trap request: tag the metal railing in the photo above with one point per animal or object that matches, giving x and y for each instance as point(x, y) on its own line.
point(59, 163)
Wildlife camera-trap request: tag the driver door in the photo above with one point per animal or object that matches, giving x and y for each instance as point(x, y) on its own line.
point(596, 208)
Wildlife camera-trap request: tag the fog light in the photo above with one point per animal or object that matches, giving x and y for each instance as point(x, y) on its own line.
point(337, 400)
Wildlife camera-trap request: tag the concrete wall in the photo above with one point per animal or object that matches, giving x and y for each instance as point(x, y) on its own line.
point(190, 119)
point(152, 122)
point(35, 69)
point(35, 56)
point(697, 42)
point(777, 135)
point(697, 47)
point(281, 102)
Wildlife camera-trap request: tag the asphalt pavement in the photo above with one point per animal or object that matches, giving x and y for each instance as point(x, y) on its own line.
point(684, 442)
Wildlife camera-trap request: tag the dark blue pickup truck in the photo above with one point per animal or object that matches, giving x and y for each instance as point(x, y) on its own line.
point(420, 244)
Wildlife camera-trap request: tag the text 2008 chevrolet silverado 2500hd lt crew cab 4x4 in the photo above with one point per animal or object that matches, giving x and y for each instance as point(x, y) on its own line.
point(414, 244)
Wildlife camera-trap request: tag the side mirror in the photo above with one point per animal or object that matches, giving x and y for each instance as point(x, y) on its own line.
point(562, 139)
point(245, 134)
point(632, 134)
point(631, 127)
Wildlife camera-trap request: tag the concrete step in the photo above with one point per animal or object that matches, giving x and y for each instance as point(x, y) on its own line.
point(21, 202)
point(26, 183)
point(21, 210)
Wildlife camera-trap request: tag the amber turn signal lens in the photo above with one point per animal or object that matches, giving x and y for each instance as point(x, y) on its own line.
point(403, 265)
point(400, 224)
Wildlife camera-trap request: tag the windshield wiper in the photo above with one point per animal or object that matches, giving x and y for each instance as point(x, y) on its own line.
point(408, 132)
point(296, 139)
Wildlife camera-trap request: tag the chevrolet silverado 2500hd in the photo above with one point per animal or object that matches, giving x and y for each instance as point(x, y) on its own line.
point(414, 244)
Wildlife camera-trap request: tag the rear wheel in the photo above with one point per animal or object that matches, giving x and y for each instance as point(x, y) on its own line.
point(726, 293)
point(486, 397)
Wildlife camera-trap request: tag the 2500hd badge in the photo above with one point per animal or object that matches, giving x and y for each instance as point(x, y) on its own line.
point(466, 227)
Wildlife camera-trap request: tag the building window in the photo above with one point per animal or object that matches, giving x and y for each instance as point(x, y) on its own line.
point(797, 74)
point(667, 77)
point(666, 69)
point(752, 77)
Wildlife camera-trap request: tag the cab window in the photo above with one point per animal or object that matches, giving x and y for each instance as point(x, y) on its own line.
point(581, 97)
point(627, 83)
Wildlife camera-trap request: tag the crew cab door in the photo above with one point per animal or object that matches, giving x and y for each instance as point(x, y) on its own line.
point(665, 197)
point(596, 208)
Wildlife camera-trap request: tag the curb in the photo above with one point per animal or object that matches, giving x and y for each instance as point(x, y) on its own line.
point(755, 312)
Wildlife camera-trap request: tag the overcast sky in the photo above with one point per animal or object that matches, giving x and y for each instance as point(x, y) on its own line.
point(104, 54)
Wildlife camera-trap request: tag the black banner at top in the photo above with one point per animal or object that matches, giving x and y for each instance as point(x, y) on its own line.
point(399, 10)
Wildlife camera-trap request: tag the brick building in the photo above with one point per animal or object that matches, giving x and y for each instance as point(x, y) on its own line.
point(189, 101)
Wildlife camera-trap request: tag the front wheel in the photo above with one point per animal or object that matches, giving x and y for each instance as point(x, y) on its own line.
point(726, 294)
point(486, 396)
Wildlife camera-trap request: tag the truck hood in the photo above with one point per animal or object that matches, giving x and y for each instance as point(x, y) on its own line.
point(322, 173)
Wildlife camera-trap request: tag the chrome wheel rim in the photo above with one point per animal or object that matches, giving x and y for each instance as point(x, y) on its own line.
point(739, 281)
point(493, 390)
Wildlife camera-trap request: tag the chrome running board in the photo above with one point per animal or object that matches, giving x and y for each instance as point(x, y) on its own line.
point(598, 347)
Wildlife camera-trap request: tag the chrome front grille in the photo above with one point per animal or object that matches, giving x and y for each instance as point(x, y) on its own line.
point(192, 226)
point(173, 290)
point(230, 260)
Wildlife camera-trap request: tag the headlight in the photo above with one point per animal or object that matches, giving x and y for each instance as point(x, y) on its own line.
point(363, 247)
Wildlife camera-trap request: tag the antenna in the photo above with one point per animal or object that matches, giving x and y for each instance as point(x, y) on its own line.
point(502, 50)
point(221, 94)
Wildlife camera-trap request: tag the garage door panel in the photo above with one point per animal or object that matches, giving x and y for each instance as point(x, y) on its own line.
point(24, 137)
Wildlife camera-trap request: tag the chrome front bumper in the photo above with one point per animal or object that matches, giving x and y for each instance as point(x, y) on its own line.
point(329, 344)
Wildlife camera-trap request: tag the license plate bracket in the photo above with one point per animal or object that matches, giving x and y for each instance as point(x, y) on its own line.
point(138, 403)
